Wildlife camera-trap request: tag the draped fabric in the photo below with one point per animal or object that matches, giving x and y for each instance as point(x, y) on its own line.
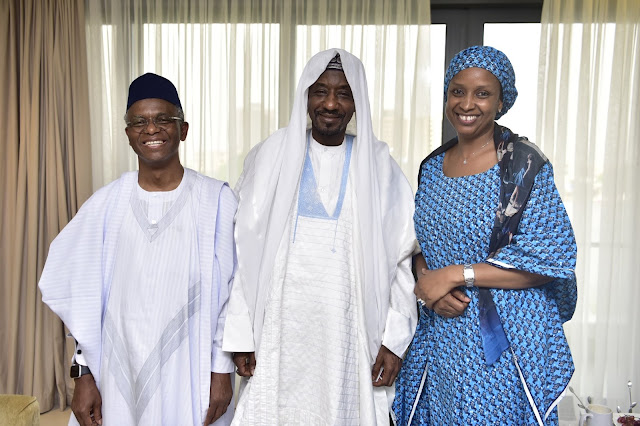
point(45, 175)
point(236, 65)
point(588, 124)
point(267, 190)
point(541, 242)
point(84, 270)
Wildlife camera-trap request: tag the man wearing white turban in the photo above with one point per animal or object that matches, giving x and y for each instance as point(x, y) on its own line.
point(322, 308)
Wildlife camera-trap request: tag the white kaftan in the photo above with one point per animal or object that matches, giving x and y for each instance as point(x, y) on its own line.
point(375, 270)
point(145, 339)
point(308, 368)
point(168, 264)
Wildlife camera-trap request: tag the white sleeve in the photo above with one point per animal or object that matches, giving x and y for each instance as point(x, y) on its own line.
point(403, 312)
point(238, 330)
point(225, 258)
point(78, 357)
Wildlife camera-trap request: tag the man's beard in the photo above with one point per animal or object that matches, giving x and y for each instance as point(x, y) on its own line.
point(329, 132)
point(323, 130)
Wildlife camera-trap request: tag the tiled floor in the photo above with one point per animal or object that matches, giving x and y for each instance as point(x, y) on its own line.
point(55, 417)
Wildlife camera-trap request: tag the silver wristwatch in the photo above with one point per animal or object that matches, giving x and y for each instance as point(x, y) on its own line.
point(469, 275)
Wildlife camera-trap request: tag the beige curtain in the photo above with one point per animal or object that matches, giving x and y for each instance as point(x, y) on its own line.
point(589, 124)
point(236, 65)
point(45, 175)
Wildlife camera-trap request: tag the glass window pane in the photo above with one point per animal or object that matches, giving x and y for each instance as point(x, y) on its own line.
point(227, 77)
point(437, 67)
point(522, 49)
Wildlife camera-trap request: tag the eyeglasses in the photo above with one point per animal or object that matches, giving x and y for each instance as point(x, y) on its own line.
point(138, 124)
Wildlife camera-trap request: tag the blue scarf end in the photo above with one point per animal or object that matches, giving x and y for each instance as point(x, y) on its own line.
point(494, 339)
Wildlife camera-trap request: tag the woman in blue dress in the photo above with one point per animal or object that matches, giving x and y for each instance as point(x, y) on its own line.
point(496, 276)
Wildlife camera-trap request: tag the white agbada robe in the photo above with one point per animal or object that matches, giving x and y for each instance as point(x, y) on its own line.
point(311, 317)
point(377, 271)
point(160, 336)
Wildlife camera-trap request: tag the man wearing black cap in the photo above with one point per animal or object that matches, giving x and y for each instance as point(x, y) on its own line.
point(141, 277)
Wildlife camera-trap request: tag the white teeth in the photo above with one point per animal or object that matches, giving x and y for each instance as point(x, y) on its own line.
point(154, 143)
point(467, 118)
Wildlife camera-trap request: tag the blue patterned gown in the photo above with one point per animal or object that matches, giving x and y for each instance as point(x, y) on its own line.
point(444, 377)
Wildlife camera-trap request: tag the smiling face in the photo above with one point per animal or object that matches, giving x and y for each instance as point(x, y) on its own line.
point(330, 107)
point(156, 145)
point(473, 99)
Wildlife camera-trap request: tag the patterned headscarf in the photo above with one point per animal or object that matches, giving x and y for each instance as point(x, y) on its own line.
point(492, 60)
point(335, 63)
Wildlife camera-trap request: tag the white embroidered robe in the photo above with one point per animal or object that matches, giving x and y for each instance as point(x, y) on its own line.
point(383, 239)
point(162, 292)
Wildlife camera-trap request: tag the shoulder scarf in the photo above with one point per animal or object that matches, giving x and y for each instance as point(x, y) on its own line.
point(519, 161)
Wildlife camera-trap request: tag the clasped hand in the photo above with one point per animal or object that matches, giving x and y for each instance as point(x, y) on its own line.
point(245, 363)
point(438, 289)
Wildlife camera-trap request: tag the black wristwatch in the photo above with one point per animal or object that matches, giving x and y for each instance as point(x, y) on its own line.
point(78, 371)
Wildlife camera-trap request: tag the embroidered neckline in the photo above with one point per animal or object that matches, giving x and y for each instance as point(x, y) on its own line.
point(309, 202)
point(153, 230)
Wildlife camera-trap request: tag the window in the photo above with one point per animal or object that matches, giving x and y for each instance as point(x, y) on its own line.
point(393, 82)
point(523, 52)
point(237, 84)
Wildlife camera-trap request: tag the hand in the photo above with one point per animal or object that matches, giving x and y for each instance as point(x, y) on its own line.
point(245, 363)
point(87, 402)
point(220, 394)
point(452, 305)
point(433, 285)
point(386, 368)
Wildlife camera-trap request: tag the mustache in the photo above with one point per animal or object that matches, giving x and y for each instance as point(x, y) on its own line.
point(328, 113)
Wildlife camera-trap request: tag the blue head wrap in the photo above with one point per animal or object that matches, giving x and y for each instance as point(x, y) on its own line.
point(151, 85)
point(492, 60)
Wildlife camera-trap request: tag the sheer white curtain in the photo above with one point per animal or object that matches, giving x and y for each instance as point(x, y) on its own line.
point(589, 124)
point(236, 65)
